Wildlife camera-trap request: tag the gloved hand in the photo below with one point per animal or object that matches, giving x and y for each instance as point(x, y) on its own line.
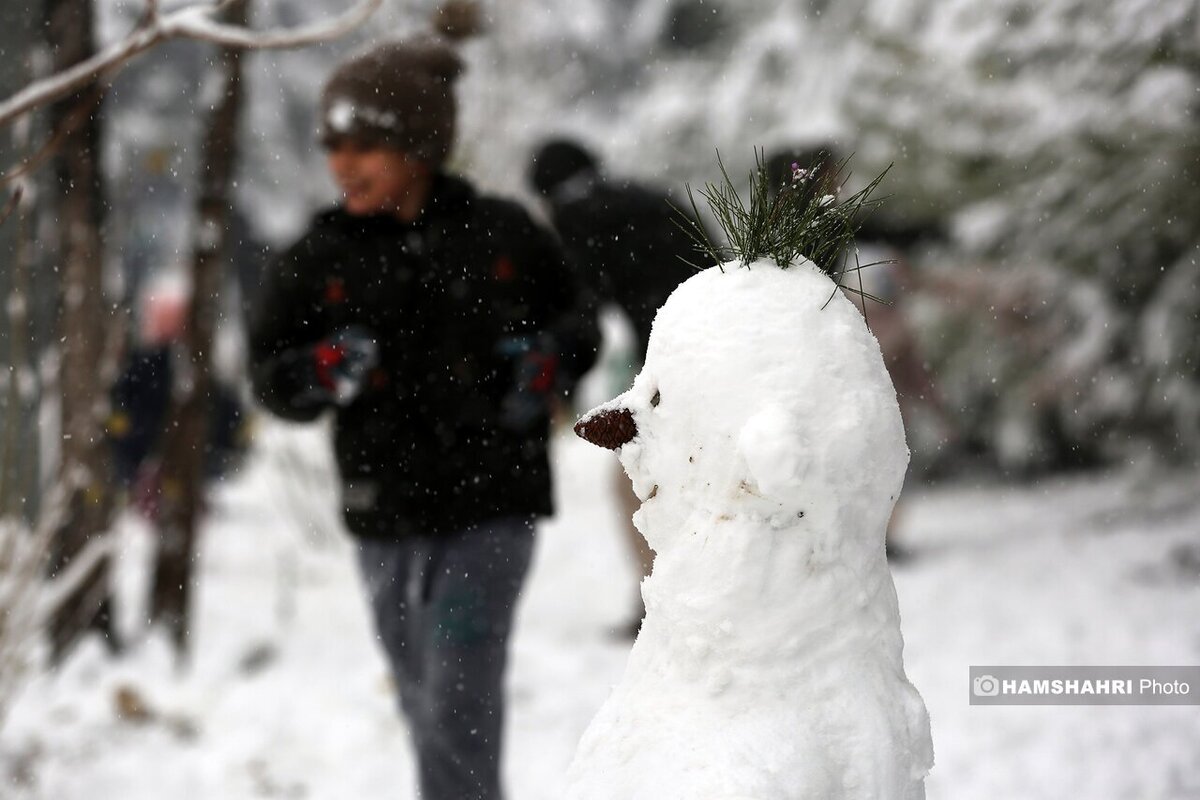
point(535, 380)
point(341, 363)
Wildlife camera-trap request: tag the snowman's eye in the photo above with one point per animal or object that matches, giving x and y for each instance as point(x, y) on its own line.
point(654, 401)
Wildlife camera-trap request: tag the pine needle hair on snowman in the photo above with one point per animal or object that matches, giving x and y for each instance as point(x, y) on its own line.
point(764, 439)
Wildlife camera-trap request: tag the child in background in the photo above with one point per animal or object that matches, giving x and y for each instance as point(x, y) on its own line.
point(438, 325)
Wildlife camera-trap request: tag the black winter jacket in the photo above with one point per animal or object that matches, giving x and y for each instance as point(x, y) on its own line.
point(450, 299)
point(626, 241)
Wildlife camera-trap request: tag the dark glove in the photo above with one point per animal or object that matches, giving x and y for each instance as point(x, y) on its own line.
point(535, 380)
point(340, 365)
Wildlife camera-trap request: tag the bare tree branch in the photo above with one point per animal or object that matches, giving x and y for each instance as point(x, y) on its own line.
point(11, 205)
point(193, 22)
point(51, 147)
point(149, 14)
point(54, 87)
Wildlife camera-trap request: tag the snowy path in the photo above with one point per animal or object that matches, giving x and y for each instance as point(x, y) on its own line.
point(287, 697)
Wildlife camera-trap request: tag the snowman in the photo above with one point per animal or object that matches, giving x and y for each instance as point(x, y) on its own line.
point(764, 440)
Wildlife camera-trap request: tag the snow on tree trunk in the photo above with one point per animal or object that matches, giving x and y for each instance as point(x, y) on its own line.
point(188, 419)
point(86, 328)
point(18, 467)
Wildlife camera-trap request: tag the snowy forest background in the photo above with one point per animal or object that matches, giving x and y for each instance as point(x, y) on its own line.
point(1046, 159)
point(1048, 152)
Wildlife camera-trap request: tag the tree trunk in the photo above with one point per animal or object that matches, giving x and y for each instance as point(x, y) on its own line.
point(85, 325)
point(188, 431)
point(19, 461)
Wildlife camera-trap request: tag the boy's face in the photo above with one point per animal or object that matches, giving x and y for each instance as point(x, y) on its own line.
point(375, 179)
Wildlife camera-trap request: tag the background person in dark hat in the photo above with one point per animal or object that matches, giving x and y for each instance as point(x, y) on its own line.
point(625, 241)
point(438, 325)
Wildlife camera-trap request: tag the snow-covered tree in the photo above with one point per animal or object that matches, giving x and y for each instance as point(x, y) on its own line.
point(73, 77)
point(1055, 141)
point(1062, 137)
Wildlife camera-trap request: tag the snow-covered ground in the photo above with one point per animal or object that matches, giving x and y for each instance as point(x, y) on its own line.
point(287, 696)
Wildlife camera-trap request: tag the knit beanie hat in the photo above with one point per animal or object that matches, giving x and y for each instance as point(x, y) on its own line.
point(557, 161)
point(400, 94)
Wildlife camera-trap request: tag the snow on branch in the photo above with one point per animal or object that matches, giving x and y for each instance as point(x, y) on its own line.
point(197, 23)
point(23, 554)
point(192, 22)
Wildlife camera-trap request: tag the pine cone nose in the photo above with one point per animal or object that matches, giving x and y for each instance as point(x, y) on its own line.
point(609, 429)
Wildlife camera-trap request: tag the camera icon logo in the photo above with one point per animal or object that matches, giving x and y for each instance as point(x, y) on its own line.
point(985, 686)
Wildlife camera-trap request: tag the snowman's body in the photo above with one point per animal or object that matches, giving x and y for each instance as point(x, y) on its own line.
point(769, 453)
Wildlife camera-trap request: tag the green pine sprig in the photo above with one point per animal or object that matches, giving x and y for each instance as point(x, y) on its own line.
point(800, 217)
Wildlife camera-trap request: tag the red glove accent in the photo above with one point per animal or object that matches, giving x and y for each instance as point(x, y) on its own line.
point(546, 366)
point(328, 357)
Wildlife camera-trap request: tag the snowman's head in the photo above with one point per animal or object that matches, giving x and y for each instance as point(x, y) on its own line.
point(763, 395)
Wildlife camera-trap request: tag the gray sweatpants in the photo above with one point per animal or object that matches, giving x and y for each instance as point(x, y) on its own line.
point(443, 608)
